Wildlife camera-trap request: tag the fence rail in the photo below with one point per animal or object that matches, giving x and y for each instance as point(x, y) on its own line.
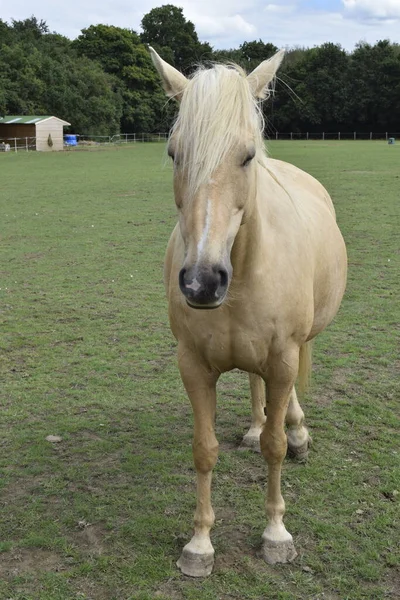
point(337, 135)
point(15, 144)
point(121, 139)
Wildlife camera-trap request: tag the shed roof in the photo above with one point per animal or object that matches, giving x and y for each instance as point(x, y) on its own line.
point(28, 119)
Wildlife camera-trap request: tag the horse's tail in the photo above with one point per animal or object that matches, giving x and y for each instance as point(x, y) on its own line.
point(305, 364)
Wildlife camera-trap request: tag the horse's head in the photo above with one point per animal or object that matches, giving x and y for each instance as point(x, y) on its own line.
point(215, 144)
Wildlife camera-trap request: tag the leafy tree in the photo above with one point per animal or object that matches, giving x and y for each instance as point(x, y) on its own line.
point(314, 90)
point(113, 47)
point(21, 81)
point(252, 53)
point(5, 33)
point(40, 73)
point(104, 80)
point(374, 79)
point(174, 37)
point(228, 56)
point(122, 54)
point(79, 91)
point(29, 29)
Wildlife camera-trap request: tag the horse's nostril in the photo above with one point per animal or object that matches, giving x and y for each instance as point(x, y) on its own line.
point(223, 278)
point(182, 274)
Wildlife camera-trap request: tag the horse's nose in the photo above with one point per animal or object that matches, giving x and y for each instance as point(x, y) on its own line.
point(205, 287)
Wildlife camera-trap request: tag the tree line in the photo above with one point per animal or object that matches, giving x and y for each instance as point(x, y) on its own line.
point(103, 82)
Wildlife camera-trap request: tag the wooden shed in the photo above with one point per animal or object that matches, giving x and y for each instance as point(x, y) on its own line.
point(43, 133)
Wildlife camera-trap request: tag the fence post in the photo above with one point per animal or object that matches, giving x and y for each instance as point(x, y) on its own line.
point(323, 135)
point(386, 136)
point(291, 135)
point(307, 135)
point(276, 135)
point(15, 144)
point(370, 135)
point(339, 135)
point(26, 144)
point(355, 135)
point(126, 138)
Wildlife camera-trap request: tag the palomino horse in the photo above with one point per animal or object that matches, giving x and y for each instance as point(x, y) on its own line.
point(257, 242)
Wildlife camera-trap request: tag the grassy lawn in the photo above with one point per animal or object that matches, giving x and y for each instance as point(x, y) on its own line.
point(86, 354)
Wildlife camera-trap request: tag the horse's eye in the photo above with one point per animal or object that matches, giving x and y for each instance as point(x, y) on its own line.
point(174, 157)
point(249, 158)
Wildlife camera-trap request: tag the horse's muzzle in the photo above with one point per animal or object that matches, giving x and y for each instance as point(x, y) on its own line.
point(205, 287)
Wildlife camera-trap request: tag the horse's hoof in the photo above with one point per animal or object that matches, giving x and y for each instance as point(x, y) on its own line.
point(196, 565)
point(278, 552)
point(251, 442)
point(298, 452)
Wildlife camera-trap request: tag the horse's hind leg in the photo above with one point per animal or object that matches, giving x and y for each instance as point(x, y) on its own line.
point(252, 437)
point(197, 557)
point(297, 434)
point(282, 370)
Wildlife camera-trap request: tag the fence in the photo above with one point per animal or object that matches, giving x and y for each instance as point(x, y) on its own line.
point(84, 141)
point(338, 135)
point(122, 139)
point(15, 144)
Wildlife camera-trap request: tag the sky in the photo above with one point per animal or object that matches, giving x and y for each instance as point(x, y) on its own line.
point(228, 23)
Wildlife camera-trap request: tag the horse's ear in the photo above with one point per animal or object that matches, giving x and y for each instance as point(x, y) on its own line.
point(173, 82)
point(261, 77)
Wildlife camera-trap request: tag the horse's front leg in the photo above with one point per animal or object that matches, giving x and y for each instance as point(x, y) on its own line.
point(280, 377)
point(197, 557)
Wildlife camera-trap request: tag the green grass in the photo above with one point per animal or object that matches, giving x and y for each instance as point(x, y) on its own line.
point(86, 354)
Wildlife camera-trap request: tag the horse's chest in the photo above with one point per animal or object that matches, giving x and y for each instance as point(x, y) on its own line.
point(226, 345)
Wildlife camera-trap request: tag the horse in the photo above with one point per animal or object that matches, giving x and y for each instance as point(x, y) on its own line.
point(255, 268)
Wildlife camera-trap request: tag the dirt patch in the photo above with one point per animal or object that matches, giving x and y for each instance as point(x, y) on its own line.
point(237, 547)
point(171, 590)
point(34, 255)
point(89, 538)
point(34, 560)
point(393, 584)
point(19, 488)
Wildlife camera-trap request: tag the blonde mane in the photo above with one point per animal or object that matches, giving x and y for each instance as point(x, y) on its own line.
point(217, 109)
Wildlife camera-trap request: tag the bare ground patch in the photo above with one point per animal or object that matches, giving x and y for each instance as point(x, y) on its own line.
point(89, 538)
point(23, 561)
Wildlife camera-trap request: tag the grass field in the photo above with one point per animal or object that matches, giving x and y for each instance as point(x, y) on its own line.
point(86, 354)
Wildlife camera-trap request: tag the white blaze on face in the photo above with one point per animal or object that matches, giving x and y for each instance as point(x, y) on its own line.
point(195, 285)
point(206, 230)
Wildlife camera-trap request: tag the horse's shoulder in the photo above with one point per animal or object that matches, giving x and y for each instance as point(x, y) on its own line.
point(294, 179)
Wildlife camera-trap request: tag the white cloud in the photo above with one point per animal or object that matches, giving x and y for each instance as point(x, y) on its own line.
point(280, 8)
point(373, 9)
point(229, 23)
point(218, 26)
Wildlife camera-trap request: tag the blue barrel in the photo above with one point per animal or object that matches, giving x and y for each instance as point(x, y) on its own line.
point(70, 139)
